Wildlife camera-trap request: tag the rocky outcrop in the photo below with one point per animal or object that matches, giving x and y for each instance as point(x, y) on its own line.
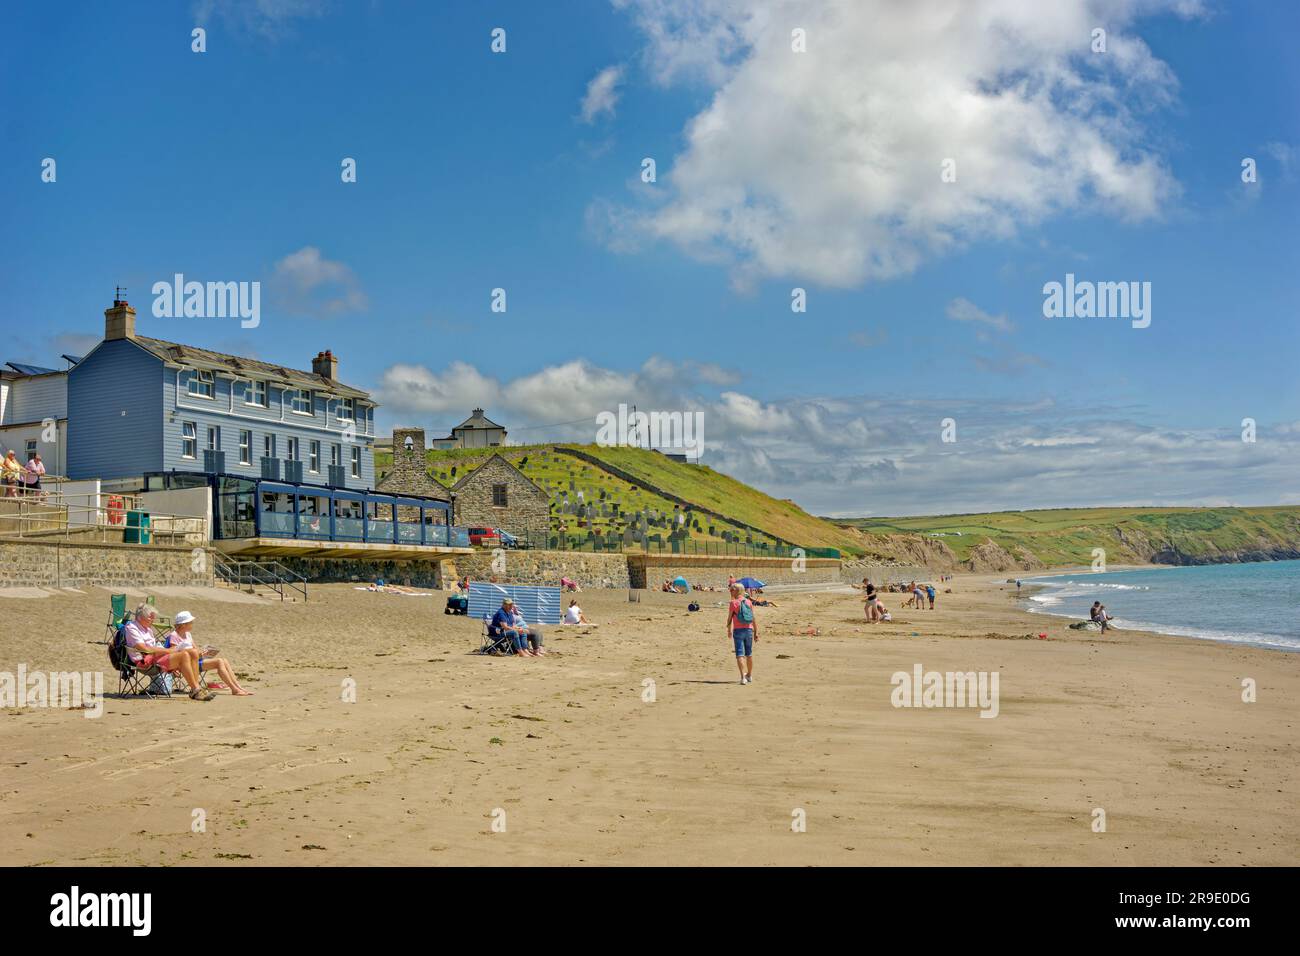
point(987, 556)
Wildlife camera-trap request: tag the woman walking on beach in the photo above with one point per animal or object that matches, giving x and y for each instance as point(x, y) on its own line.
point(743, 631)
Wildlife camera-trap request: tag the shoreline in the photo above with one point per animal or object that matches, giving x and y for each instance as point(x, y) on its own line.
point(1284, 643)
point(589, 771)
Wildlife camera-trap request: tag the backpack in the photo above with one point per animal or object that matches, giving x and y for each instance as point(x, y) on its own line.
point(745, 613)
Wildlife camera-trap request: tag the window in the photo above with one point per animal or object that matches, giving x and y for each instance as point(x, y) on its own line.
point(499, 496)
point(255, 394)
point(214, 438)
point(202, 384)
point(291, 453)
point(302, 401)
point(347, 409)
point(356, 462)
point(31, 448)
point(189, 440)
point(268, 446)
point(336, 455)
point(313, 462)
point(245, 447)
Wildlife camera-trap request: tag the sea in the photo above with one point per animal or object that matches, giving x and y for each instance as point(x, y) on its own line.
point(1256, 604)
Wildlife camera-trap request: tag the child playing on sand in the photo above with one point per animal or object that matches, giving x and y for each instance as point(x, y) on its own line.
point(929, 592)
point(743, 631)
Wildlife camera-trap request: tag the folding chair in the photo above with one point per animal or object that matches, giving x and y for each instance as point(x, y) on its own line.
point(132, 678)
point(116, 616)
point(500, 644)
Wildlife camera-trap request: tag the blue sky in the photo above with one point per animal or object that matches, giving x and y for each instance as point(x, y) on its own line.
point(776, 169)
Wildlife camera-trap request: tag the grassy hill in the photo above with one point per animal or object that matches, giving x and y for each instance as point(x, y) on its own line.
point(655, 493)
point(1061, 537)
point(715, 506)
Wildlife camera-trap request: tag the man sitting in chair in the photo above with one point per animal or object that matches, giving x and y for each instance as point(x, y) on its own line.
point(145, 651)
point(510, 622)
point(181, 637)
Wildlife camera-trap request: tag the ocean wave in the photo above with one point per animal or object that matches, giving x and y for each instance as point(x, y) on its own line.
point(1277, 641)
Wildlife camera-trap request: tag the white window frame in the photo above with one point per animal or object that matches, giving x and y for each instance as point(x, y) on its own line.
point(350, 405)
point(336, 454)
point(32, 447)
point(268, 445)
point(256, 393)
point(292, 448)
point(313, 457)
point(201, 387)
point(190, 440)
point(214, 437)
point(301, 394)
point(356, 461)
point(245, 447)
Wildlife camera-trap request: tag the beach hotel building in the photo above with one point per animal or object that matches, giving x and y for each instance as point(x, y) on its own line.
point(287, 455)
point(34, 413)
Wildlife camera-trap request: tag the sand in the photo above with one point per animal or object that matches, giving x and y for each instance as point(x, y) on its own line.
point(443, 748)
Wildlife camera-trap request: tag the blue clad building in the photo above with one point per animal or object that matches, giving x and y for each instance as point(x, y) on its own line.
point(140, 405)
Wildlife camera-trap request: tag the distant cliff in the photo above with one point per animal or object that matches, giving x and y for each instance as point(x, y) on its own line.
point(1034, 540)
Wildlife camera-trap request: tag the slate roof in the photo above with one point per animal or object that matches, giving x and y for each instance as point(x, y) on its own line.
point(207, 359)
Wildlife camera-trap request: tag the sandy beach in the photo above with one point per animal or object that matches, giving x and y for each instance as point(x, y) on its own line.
point(442, 747)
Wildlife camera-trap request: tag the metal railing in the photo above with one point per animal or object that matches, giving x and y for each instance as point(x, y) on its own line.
point(664, 544)
point(267, 574)
point(54, 517)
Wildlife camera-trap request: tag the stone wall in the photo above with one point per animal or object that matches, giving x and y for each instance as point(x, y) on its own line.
point(512, 567)
point(414, 574)
point(527, 510)
point(544, 567)
point(650, 570)
point(61, 564)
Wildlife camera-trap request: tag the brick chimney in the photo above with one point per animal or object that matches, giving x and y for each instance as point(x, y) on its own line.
point(326, 363)
point(119, 321)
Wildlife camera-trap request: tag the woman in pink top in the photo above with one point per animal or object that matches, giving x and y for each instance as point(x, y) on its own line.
point(145, 651)
point(34, 472)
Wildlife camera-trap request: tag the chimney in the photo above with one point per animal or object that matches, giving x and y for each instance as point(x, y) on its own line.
point(119, 321)
point(326, 363)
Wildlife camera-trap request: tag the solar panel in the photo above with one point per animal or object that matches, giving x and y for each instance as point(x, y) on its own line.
point(23, 369)
point(537, 603)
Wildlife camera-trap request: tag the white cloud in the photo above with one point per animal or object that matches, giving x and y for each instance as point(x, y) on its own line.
point(866, 455)
point(602, 94)
point(964, 310)
point(305, 282)
point(826, 165)
point(269, 19)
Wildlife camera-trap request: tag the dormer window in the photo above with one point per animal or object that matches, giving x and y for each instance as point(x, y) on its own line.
point(255, 394)
point(347, 409)
point(202, 384)
point(302, 401)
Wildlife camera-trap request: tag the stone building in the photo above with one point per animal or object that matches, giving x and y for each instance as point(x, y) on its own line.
point(496, 494)
point(410, 471)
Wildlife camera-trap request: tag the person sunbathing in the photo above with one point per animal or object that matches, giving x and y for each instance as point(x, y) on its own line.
point(144, 651)
point(761, 601)
point(574, 614)
point(181, 636)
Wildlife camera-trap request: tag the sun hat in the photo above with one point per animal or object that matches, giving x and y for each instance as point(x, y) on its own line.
point(183, 617)
point(507, 601)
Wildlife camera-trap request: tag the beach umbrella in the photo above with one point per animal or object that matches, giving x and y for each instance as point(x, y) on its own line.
point(750, 584)
point(680, 582)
